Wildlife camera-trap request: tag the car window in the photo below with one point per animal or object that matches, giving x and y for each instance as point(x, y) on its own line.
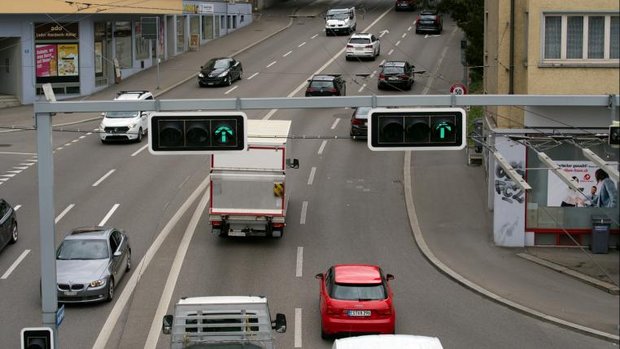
point(221, 64)
point(358, 292)
point(393, 70)
point(3, 208)
point(359, 41)
point(362, 112)
point(338, 16)
point(83, 249)
point(321, 84)
point(121, 114)
point(113, 243)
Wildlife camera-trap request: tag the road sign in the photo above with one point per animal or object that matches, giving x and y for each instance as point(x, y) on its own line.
point(458, 89)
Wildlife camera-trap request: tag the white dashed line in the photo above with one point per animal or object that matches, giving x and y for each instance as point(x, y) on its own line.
point(232, 89)
point(139, 150)
point(107, 216)
point(322, 147)
point(270, 64)
point(297, 327)
point(382, 33)
point(372, 75)
point(63, 213)
point(14, 171)
point(8, 175)
point(103, 178)
point(390, 52)
point(67, 144)
point(300, 262)
point(15, 264)
point(304, 209)
point(397, 43)
point(300, 45)
point(253, 75)
point(75, 140)
point(82, 137)
point(311, 177)
point(409, 29)
point(335, 123)
point(286, 54)
point(361, 88)
point(404, 35)
point(314, 36)
point(3, 179)
point(270, 114)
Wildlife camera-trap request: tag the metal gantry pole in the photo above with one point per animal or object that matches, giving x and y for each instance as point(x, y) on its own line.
point(45, 156)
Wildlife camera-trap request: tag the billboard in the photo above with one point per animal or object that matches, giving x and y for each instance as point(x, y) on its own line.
point(591, 193)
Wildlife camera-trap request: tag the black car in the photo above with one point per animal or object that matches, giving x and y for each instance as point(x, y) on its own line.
point(396, 74)
point(359, 121)
point(409, 5)
point(8, 224)
point(429, 21)
point(326, 85)
point(220, 71)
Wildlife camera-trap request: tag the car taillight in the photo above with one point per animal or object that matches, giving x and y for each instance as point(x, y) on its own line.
point(216, 223)
point(278, 225)
point(331, 90)
point(332, 311)
point(368, 46)
point(349, 46)
point(385, 312)
point(381, 76)
point(355, 121)
point(404, 77)
point(436, 20)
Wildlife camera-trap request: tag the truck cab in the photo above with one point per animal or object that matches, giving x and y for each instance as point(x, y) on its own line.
point(340, 21)
point(218, 322)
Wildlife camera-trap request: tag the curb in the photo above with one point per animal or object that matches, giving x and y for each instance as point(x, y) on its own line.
point(443, 268)
point(605, 286)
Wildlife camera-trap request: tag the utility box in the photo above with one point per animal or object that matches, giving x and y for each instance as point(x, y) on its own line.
point(599, 240)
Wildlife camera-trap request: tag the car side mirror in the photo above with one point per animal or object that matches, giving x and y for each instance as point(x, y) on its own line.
point(280, 323)
point(294, 163)
point(118, 253)
point(389, 277)
point(319, 276)
point(103, 114)
point(166, 325)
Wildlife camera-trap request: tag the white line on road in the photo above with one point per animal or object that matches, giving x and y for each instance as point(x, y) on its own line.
point(270, 64)
point(75, 140)
point(397, 43)
point(67, 144)
point(300, 261)
point(431, 79)
point(17, 207)
point(304, 209)
point(314, 36)
point(270, 114)
point(232, 89)
point(286, 54)
point(361, 88)
point(14, 171)
point(123, 299)
point(311, 177)
point(63, 213)
point(82, 137)
point(139, 150)
point(26, 164)
point(372, 75)
point(322, 147)
point(300, 45)
point(409, 29)
point(3, 179)
point(297, 327)
point(103, 178)
point(390, 52)
point(253, 75)
point(8, 175)
point(15, 153)
point(404, 35)
point(15, 264)
point(335, 123)
point(110, 213)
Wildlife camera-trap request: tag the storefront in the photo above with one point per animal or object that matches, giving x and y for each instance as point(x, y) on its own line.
point(57, 57)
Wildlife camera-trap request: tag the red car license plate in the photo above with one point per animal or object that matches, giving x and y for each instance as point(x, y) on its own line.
point(359, 313)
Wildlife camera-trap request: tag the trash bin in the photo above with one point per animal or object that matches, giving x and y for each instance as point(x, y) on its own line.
point(599, 240)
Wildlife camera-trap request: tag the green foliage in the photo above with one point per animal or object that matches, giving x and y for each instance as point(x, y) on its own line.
point(469, 16)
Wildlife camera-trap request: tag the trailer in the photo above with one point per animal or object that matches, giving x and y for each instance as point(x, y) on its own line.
point(248, 191)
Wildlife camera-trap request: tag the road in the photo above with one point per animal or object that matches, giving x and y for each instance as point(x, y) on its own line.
point(347, 206)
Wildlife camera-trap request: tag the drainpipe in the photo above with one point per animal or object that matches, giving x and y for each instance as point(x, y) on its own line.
point(511, 83)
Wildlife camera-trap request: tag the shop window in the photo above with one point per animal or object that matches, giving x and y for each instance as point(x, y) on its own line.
point(207, 27)
point(122, 39)
point(142, 43)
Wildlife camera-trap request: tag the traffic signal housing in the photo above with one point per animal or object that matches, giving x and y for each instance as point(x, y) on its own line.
point(397, 129)
point(37, 338)
point(614, 134)
point(197, 132)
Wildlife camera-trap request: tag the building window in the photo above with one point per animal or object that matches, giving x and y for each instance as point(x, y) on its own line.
point(581, 38)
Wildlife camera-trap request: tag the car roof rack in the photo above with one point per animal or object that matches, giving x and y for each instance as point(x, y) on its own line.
point(131, 91)
point(87, 229)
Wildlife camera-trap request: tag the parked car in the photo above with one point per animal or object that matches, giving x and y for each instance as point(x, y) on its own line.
point(326, 85)
point(220, 71)
point(90, 261)
point(8, 224)
point(355, 299)
point(396, 74)
point(359, 121)
point(363, 45)
point(409, 5)
point(126, 125)
point(429, 21)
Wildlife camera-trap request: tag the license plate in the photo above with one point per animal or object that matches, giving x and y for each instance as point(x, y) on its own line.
point(209, 83)
point(359, 49)
point(236, 233)
point(392, 78)
point(70, 293)
point(358, 313)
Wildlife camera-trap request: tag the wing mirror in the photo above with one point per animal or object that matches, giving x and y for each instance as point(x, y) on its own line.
point(292, 163)
point(166, 326)
point(389, 277)
point(280, 323)
point(319, 276)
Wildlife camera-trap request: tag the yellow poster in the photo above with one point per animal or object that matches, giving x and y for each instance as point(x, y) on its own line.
point(68, 60)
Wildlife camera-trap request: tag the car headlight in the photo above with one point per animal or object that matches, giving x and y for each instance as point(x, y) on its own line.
point(132, 125)
point(201, 75)
point(97, 283)
point(223, 74)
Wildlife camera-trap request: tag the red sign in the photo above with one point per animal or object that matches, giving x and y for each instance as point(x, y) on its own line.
point(458, 89)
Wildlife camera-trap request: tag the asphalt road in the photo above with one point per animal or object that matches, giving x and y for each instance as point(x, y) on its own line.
point(347, 206)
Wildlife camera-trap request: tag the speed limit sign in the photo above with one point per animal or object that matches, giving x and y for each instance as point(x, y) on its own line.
point(458, 89)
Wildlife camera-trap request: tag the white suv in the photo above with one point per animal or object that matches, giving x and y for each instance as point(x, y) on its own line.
point(126, 125)
point(363, 45)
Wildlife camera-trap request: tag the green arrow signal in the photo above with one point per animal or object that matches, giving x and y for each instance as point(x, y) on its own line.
point(442, 127)
point(223, 132)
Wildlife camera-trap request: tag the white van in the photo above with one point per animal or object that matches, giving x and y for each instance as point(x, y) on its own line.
point(388, 341)
point(340, 20)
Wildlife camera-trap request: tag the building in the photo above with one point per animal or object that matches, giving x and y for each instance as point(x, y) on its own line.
point(543, 47)
point(80, 47)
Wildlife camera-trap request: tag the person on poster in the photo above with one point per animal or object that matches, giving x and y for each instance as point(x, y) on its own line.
point(607, 192)
point(573, 197)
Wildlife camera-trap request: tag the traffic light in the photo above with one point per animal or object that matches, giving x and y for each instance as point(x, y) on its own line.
point(37, 338)
point(196, 132)
point(614, 134)
point(392, 129)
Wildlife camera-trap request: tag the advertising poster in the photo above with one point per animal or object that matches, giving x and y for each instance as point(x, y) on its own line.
point(68, 60)
point(584, 175)
point(47, 58)
point(98, 58)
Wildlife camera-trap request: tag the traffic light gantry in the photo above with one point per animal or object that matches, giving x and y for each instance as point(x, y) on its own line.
point(398, 129)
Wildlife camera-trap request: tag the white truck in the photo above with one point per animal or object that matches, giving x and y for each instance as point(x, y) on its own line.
point(222, 322)
point(249, 195)
point(340, 20)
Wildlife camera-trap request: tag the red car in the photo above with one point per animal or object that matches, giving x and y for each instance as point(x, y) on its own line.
point(356, 298)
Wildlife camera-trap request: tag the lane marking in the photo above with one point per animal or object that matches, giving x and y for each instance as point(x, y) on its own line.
point(27, 164)
point(232, 89)
point(270, 114)
point(311, 177)
point(63, 213)
point(286, 54)
point(15, 264)
point(300, 45)
point(175, 271)
point(300, 261)
point(75, 140)
point(15, 153)
point(67, 144)
point(390, 53)
point(322, 147)
point(372, 75)
point(4, 179)
point(382, 33)
point(139, 150)
point(361, 88)
point(14, 171)
point(103, 178)
point(304, 209)
point(82, 137)
point(253, 75)
point(107, 216)
point(335, 123)
point(404, 35)
point(397, 43)
point(270, 64)
point(409, 29)
point(8, 175)
point(297, 327)
point(130, 286)
point(314, 36)
point(431, 79)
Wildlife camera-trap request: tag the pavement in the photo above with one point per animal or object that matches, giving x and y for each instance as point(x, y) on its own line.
point(465, 261)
